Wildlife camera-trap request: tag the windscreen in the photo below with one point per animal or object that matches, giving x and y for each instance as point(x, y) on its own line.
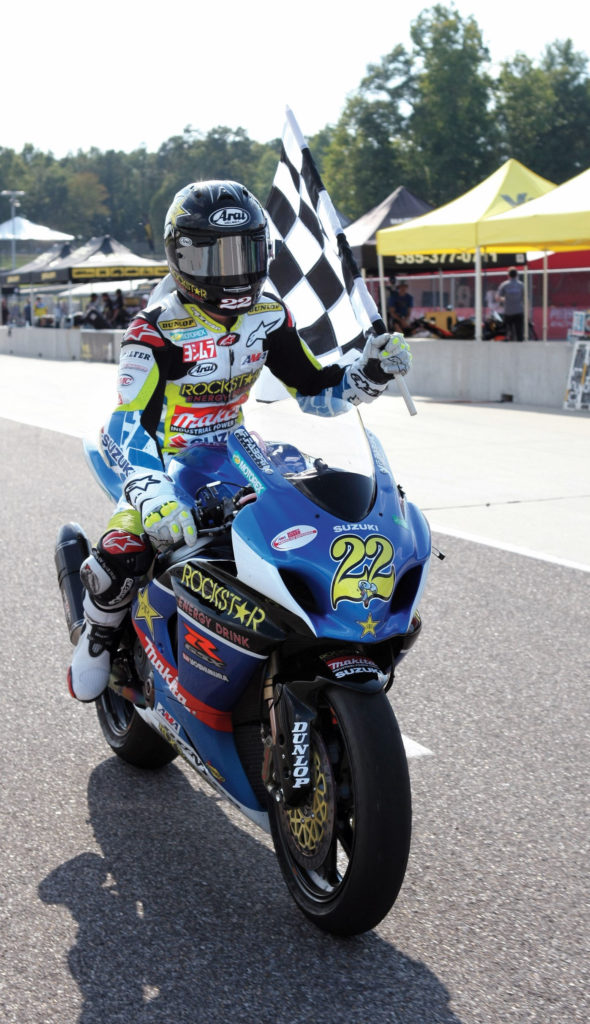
point(326, 458)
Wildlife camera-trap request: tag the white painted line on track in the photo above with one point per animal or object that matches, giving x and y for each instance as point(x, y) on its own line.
point(505, 546)
point(414, 749)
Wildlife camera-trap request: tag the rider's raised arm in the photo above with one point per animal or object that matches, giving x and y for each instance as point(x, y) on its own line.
point(322, 389)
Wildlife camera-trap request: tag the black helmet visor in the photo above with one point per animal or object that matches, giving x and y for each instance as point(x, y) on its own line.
point(234, 256)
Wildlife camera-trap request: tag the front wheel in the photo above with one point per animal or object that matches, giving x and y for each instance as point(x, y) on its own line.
point(344, 853)
point(128, 735)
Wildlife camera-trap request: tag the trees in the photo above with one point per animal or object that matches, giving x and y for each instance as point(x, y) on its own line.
point(430, 117)
point(450, 135)
point(542, 112)
point(420, 119)
point(365, 152)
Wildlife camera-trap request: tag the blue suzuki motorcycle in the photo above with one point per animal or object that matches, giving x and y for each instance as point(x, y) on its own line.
point(264, 655)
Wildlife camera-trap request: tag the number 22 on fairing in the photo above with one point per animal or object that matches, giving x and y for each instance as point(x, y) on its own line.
point(378, 576)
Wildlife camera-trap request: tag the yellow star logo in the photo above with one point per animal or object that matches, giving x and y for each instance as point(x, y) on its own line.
point(241, 610)
point(145, 610)
point(369, 625)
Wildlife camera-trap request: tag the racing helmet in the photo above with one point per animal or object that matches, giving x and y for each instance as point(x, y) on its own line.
point(217, 245)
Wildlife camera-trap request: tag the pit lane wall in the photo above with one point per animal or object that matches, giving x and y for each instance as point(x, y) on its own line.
point(526, 373)
point(61, 343)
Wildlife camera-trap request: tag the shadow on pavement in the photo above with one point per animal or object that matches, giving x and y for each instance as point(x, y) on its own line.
point(185, 919)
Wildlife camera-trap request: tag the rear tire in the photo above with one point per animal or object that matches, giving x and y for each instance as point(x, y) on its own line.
point(126, 733)
point(343, 854)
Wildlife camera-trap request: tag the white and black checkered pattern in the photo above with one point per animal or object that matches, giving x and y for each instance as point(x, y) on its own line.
point(313, 270)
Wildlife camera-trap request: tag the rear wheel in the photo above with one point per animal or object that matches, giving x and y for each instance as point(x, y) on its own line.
point(128, 735)
point(344, 853)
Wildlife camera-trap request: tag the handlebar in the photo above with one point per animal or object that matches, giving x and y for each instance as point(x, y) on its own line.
point(212, 519)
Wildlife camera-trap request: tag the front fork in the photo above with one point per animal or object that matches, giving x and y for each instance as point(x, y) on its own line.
point(292, 709)
point(286, 767)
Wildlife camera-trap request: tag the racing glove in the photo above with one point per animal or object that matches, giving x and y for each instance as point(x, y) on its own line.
point(383, 357)
point(166, 518)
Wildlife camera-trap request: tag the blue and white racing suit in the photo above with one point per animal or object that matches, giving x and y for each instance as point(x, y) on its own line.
point(183, 380)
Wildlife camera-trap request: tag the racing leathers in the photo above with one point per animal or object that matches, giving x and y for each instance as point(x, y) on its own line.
point(183, 380)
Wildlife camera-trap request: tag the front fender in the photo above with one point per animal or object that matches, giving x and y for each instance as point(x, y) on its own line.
point(305, 688)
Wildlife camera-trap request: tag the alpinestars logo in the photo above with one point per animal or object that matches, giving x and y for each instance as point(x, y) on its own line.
point(142, 485)
point(262, 331)
point(142, 332)
point(119, 542)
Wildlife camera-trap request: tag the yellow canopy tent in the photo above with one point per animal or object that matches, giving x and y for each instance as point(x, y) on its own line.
point(456, 226)
point(558, 221)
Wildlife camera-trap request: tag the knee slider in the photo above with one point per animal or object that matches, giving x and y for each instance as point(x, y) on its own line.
point(125, 552)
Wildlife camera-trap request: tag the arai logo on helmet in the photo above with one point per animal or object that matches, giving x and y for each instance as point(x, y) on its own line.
point(229, 217)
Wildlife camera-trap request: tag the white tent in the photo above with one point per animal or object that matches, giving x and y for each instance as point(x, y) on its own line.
point(80, 291)
point(19, 229)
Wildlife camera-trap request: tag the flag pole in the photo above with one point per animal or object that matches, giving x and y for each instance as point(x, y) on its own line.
point(346, 254)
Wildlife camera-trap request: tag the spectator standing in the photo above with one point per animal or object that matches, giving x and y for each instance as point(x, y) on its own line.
point(511, 299)
point(400, 307)
point(4, 312)
point(120, 318)
point(40, 311)
point(93, 316)
point(108, 309)
point(61, 314)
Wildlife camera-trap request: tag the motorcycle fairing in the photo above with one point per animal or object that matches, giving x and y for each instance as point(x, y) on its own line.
point(289, 575)
point(181, 736)
point(359, 574)
point(202, 735)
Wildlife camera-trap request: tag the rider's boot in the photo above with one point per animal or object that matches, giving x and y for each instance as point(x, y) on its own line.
point(89, 672)
point(110, 576)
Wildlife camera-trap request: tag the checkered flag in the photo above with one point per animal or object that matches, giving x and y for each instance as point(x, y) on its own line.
point(314, 271)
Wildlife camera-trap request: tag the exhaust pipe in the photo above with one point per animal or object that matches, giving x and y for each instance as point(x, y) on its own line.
point(71, 548)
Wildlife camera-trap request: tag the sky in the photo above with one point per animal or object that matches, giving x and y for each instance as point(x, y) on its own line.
point(123, 74)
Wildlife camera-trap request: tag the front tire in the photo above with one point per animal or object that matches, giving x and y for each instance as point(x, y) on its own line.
point(344, 853)
point(126, 733)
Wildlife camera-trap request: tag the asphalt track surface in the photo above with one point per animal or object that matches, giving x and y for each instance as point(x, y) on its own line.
point(136, 897)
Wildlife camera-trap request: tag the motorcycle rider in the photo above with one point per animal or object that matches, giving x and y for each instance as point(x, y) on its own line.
point(188, 362)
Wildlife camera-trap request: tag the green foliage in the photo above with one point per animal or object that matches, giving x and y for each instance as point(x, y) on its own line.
point(450, 129)
point(420, 119)
point(543, 112)
point(431, 118)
